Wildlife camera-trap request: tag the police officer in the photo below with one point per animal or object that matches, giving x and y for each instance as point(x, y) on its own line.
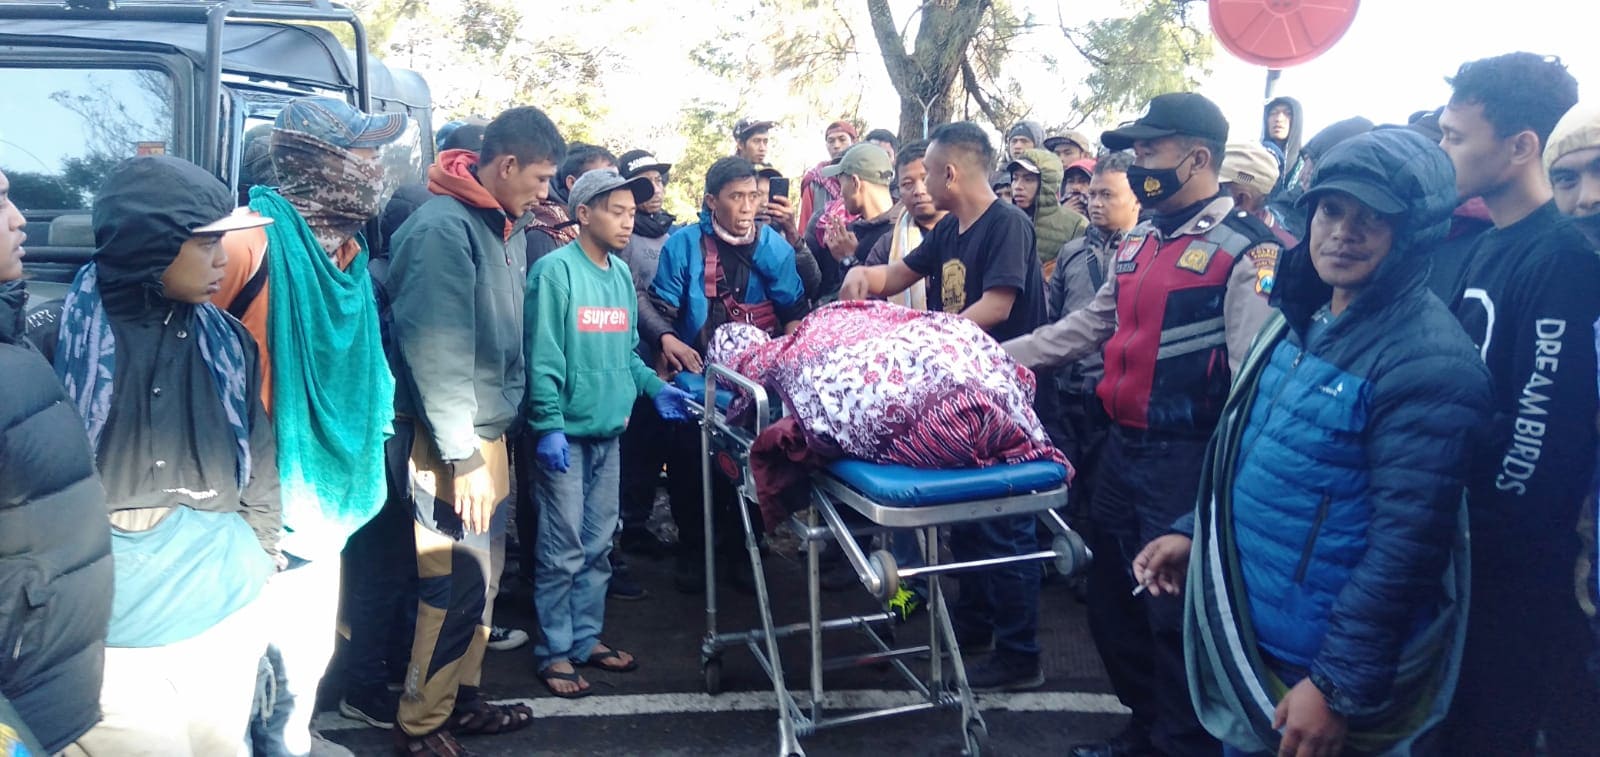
point(1188, 292)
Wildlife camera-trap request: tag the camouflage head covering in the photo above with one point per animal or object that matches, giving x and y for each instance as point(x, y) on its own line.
point(335, 191)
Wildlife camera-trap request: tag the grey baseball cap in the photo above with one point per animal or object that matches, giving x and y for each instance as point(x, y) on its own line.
point(604, 181)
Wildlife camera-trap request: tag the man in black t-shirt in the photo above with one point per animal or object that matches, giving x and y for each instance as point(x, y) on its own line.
point(980, 262)
point(1526, 298)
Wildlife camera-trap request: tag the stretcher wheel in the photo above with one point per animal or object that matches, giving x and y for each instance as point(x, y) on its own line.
point(712, 670)
point(888, 573)
point(977, 738)
point(1072, 555)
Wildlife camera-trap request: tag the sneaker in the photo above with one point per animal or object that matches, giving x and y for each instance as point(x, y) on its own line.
point(623, 587)
point(906, 603)
point(995, 675)
point(375, 708)
point(502, 639)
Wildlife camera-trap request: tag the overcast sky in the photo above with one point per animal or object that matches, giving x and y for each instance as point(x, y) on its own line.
point(1392, 62)
point(1394, 59)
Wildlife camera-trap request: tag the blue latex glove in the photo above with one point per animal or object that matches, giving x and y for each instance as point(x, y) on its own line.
point(554, 454)
point(672, 404)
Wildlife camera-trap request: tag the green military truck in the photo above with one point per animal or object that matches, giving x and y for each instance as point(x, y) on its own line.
point(89, 83)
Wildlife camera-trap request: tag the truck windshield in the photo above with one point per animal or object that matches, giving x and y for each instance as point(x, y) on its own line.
point(62, 129)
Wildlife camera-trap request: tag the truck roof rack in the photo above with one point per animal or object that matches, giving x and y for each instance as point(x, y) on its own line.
point(212, 13)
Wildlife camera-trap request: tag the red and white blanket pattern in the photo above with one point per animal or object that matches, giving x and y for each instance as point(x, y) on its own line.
point(887, 384)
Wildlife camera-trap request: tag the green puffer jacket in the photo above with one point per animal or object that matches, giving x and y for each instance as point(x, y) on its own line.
point(1053, 225)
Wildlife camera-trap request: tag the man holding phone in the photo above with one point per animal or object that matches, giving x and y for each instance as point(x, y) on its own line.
point(778, 212)
point(865, 173)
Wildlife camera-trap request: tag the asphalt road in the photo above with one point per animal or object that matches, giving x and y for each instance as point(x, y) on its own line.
point(662, 709)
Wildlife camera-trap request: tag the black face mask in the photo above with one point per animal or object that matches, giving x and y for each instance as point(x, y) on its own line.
point(1156, 185)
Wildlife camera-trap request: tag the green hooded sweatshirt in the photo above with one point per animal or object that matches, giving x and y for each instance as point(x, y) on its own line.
point(1053, 225)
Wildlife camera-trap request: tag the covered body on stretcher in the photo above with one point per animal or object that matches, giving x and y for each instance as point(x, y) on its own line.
point(910, 409)
point(914, 421)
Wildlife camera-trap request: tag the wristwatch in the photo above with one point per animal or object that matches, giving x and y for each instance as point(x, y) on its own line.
point(1335, 697)
point(848, 262)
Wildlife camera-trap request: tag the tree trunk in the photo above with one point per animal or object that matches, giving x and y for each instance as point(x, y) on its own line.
point(925, 76)
point(939, 110)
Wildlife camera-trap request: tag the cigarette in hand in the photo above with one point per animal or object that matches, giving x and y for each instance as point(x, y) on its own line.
point(1137, 590)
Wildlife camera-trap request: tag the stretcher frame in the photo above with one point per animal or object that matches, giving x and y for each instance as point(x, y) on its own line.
point(730, 443)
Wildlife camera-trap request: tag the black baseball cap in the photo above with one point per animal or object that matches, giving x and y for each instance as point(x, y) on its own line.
point(749, 125)
point(634, 162)
point(1173, 113)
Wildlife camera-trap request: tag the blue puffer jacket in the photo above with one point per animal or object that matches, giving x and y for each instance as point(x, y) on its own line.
point(679, 285)
point(1348, 486)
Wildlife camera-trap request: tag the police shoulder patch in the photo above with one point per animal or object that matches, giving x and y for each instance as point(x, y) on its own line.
point(1130, 248)
point(1264, 257)
point(1197, 257)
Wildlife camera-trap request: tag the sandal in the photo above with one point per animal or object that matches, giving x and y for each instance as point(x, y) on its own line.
point(482, 718)
point(548, 674)
point(437, 744)
point(598, 660)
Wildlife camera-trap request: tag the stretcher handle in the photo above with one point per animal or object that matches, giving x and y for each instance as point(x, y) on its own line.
point(756, 391)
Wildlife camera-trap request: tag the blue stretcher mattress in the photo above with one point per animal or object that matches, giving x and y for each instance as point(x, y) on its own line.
point(902, 486)
point(695, 384)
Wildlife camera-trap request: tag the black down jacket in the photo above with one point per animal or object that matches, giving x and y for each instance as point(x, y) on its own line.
point(55, 546)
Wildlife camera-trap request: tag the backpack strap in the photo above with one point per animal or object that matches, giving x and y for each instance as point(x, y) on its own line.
point(248, 293)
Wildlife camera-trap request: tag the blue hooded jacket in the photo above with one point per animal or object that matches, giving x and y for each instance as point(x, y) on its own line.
point(1348, 485)
point(680, 276)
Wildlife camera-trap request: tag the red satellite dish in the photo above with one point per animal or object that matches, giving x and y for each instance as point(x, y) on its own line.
point(1280, 33)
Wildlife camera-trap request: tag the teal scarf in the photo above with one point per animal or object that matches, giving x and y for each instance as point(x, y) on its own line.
point(333, 395)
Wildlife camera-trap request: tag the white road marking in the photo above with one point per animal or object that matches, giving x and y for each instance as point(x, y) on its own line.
point(758, 701)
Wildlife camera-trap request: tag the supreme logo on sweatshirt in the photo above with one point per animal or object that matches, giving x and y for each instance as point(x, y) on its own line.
point(602, 320)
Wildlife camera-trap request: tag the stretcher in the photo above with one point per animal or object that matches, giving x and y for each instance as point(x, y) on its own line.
point(892, 498)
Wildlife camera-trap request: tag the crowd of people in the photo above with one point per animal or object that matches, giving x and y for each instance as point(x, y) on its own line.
point(1331, 404)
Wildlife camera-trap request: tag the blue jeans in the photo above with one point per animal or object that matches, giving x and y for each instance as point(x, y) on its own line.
point(577, 519)
point(1003, 601)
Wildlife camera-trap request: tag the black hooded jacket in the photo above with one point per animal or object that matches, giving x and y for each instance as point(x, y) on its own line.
point(55, 546)
point(167, 440)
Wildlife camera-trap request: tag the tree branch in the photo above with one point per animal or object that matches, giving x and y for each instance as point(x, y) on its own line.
point(969, 82)
point(893, 46)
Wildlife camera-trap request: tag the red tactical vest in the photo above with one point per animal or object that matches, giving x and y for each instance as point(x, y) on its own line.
point(1166, 366)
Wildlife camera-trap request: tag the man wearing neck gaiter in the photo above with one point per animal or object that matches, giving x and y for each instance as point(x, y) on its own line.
point(332, 396)
point(723, 268)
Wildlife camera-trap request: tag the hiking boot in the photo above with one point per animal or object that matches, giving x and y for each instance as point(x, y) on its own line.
point(375, 707)
point(997, 675)
point(502, 639)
